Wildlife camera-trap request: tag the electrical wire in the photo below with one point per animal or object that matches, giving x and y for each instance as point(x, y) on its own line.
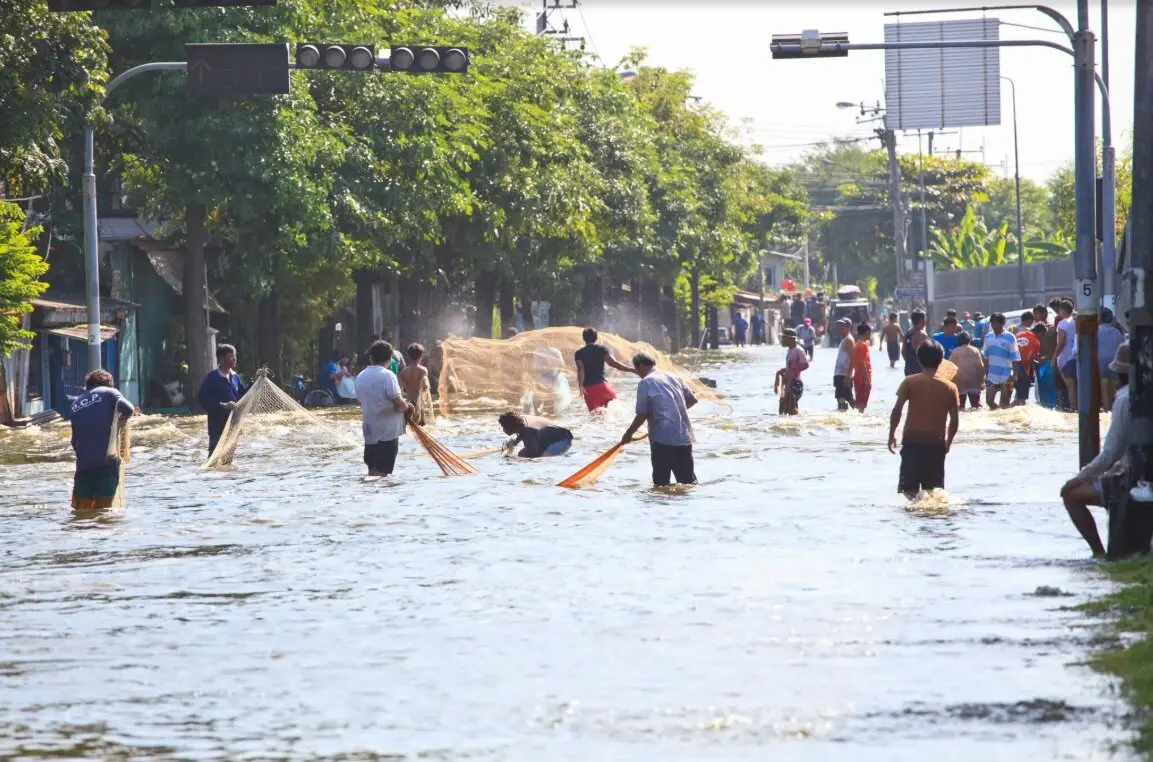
point(588, 32)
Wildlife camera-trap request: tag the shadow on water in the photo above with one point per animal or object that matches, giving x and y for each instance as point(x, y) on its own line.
point(289, 608)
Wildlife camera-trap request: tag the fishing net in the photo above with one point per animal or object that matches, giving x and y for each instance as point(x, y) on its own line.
point(593, 471)
point(120, 446)
point(534, 370)
point(450, 464)
point(266, 414)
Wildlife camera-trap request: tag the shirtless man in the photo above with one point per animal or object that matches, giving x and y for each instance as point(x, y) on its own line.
point(891, 335)
point(913, 340)
point(926, 440)
point(415, 384)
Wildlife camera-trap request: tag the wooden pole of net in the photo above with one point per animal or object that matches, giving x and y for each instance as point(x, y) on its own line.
point(593, 471)
point(450, 463)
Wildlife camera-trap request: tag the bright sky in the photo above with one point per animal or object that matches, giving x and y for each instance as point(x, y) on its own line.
point(788, 104)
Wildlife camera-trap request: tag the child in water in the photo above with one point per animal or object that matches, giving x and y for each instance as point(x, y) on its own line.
point(415, 385)
point(862, 366)
point(788, 381)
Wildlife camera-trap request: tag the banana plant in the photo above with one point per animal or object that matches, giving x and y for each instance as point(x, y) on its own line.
point(970, 244)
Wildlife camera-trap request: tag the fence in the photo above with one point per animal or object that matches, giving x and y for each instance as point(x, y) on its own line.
point(995, 289)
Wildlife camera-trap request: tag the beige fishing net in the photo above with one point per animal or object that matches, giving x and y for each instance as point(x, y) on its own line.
point(120, 446)
point(268, 415)
point(535, 370)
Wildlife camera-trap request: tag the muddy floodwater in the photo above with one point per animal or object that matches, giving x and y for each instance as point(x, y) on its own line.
point(790, 607)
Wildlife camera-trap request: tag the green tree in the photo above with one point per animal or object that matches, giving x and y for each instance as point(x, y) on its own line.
point(970, 244)
point(20, 270)
point(53, 68)
point(1001, 206)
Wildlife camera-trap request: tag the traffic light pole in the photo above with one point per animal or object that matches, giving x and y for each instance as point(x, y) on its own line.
point(91, 215)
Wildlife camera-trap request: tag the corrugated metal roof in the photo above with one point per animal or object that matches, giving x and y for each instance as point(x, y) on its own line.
point(51, 301)
point(126, 228)
point(81, 332)
point(953, 87)
point(169, 265)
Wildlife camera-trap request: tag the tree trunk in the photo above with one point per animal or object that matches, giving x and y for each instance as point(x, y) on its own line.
point(268, 336)
point(507, 308)
point(593, 298)
point(714, 337)
point(362, 330)
point(409, 312)
point(485, 297)
point(671, 321)
point(526, 309)
point(695, 308)
point(195, 286)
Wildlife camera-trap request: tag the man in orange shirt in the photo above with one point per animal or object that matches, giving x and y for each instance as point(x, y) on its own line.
point(1029, 345)
point(862, 366)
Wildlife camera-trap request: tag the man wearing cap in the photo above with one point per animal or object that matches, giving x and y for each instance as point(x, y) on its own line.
point(843, 369)
point(807, 335)
point(1108, 476)
point(788, 382)
point(664, 402)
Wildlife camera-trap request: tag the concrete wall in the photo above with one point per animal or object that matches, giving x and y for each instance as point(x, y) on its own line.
point(995, 289)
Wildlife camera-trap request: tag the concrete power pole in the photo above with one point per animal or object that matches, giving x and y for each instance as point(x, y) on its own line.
point(1129, 523)
point(889, 140)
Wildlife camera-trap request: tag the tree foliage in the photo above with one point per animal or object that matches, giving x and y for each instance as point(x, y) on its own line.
point(20, 270)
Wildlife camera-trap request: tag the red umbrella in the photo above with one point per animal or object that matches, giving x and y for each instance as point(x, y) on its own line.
point(788, 285)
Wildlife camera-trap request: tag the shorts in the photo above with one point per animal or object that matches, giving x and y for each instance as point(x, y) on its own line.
point(381, 457)
point(95, 488)
point(1069, 369)
point(861, 390)
point(922, 467)
point(1107, 373)
point(894, 348)
point(672, 461)
point(1023, 384)
point(843, 390)
point(557, 448)
point(599, 395)
point(809, 350)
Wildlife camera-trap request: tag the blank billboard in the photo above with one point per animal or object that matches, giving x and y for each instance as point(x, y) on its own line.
point(942, 87)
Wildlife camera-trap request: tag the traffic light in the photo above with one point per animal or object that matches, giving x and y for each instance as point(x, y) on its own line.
point(809, 44)
point(417, 59)
point(67, 6)
point(326, 56)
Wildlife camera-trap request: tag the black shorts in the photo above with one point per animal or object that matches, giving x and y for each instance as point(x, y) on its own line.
point(381, 457)
point(922, 467)
point(894, 348)
point(672, 461)
point(843, 388)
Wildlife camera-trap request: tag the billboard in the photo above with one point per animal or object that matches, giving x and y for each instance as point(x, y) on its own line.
point(942, 87)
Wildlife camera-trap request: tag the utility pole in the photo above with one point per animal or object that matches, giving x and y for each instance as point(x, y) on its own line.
point(1086, 288)
point(889, 141)
point(1129, 530)
point(1109, 181)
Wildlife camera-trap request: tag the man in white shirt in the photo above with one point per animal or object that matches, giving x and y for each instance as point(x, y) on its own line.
point(383, 411)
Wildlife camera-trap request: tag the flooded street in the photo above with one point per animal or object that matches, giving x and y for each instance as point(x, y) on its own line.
point(790, 607)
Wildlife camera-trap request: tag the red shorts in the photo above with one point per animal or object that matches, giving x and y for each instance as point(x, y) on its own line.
point(599, 395)
point(861, 391)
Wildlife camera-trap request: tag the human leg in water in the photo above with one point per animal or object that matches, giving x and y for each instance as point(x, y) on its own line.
point(1078, 496)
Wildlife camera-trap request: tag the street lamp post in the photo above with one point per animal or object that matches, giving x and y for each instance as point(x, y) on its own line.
point(1017, 180)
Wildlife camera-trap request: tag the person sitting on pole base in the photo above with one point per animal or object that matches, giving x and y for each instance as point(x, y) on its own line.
point(1105, 479)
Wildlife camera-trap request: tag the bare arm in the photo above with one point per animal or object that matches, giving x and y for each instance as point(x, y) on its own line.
point(954, 421)
point(895, 416)
point(580, 375)
point(613, 363)
point(632, 429)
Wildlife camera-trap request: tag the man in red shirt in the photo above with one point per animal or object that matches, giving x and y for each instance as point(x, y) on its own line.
point(1029, 344)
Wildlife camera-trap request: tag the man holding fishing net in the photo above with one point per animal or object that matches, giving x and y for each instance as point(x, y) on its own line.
point(383, 411)
point(94, 413)
point(664, 402)
point(541, 437)
point(220, 391)
point(591, 360)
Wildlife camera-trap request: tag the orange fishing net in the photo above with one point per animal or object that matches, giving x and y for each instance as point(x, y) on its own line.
point(534, 370)
point(593, 471)
point(450, 464)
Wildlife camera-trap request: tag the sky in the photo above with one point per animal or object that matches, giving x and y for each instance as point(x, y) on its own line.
point(788, 105)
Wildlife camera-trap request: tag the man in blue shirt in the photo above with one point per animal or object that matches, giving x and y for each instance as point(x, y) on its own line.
point(947, 337)
point(664, 402)
point(97, 477)
point(220, 391)
point(330, 375)
point(980, 330)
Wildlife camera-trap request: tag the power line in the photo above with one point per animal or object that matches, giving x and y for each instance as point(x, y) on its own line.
point(588, 31)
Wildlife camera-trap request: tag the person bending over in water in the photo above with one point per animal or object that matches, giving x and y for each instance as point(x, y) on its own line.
point(415, 385)
point(541, 437)
point(925, 440)
point(591, 360)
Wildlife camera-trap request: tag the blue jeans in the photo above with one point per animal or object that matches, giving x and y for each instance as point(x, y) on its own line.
point(557, 448)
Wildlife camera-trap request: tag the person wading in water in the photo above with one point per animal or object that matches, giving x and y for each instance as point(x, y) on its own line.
point(891, 335)
point(914, 338)
point(926, 439)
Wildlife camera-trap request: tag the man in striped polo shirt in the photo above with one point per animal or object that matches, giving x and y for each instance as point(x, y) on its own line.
point(1000, 352)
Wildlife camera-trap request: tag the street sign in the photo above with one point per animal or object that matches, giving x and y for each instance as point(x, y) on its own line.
point(910, 292)
point(237, 69)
